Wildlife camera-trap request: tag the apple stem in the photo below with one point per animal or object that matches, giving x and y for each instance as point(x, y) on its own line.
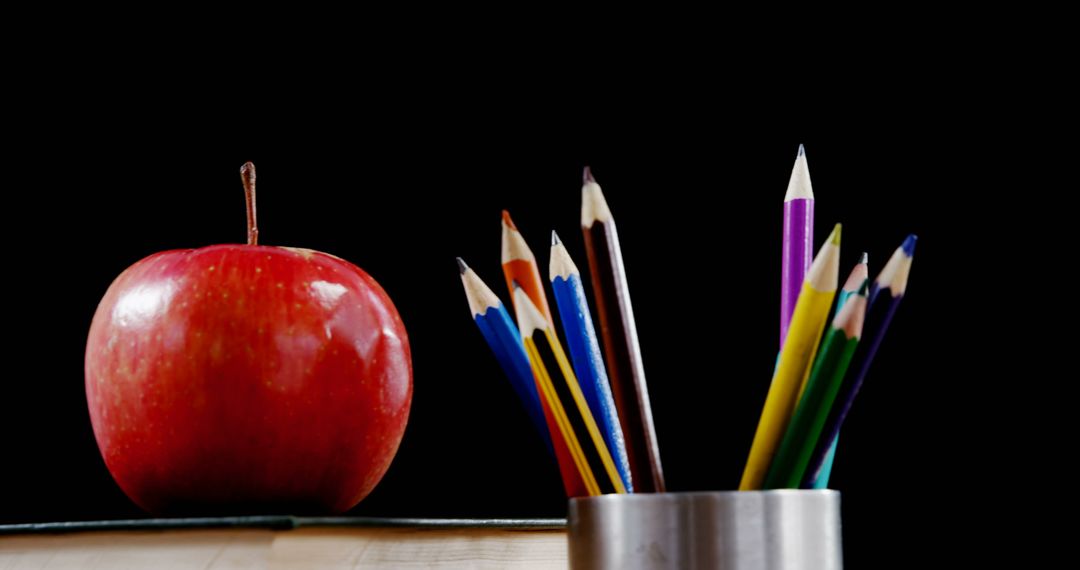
point(247, 175)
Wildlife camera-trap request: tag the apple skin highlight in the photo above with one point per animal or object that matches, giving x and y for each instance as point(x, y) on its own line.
point(244, 377)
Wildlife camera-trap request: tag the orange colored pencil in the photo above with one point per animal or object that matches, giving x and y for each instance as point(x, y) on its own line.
point(519, 265)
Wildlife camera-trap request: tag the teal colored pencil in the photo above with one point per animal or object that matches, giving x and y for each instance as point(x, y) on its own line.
point(855, 281)
point(802, 434)
point(822, 480)
point(858, 277)
point(585, 355)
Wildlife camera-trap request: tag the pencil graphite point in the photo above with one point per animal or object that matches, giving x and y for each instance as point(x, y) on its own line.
point(864, 258)
point(859, 275)
point(834, 237)
point(560, 264)
point(516, 285)
point(506, 220)
point(909, 244)
point(894, 275)
point(799, 186)
point(587, 176)
point(461, 266)
point(594, 207)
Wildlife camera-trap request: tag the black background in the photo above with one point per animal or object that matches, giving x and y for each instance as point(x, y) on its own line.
point(401, 189)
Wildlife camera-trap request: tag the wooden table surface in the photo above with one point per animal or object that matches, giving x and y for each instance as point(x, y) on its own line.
point(317, 546)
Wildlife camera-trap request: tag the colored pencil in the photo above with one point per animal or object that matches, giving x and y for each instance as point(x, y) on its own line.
point(854, 282)
point(804, 334)
point(798, 246)
point(830, 366)
point(822, 481)
point(621, 350)
point(578, 427)
point(885, 295)
point(519, 265)
point(584, 349)
point(503, 338)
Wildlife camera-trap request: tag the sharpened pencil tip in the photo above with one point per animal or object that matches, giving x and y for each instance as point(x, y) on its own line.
point(515, 285)
point(461, 266)
point(834, 237)
point(909, 245)
point(506, 220)
point(587, 176)
point(799, 186)
point(555, 238)
point(864, 258)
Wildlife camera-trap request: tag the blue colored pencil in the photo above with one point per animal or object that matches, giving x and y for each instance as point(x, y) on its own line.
point(585, 354)
point(503, 337)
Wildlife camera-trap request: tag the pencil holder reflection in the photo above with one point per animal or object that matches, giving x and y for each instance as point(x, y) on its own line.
point(784, 529)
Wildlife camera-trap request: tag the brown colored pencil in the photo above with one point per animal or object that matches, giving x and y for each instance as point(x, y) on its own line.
point(621, 351)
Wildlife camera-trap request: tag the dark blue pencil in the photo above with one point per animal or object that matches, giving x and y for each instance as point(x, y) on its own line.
point(885, 295)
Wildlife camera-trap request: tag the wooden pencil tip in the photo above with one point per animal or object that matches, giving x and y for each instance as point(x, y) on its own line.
point(555, 238)
point(594, 207)
point(834, 237)
point(587, 176)
point(864, 258)
point(799, 185)
point(909, 245)
point(461, 266)
point(506, 220)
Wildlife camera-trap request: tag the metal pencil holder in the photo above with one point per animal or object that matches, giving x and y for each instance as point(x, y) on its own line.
point(784, 529)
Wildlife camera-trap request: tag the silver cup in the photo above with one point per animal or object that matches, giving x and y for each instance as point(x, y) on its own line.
point(785, 529)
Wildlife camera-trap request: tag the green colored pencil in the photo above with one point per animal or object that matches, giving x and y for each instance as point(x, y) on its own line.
point(801, 437)
point(855, 281)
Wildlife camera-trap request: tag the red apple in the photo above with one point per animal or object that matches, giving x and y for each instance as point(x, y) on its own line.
point(247, 377)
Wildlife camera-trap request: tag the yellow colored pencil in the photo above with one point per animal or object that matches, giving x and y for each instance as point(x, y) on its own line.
point(540, 342)
point(547, 390)
point(800, 346)
point(566, 431)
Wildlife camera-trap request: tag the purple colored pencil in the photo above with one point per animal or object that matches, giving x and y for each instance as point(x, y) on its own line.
point(798, 249)
point(885, 295)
